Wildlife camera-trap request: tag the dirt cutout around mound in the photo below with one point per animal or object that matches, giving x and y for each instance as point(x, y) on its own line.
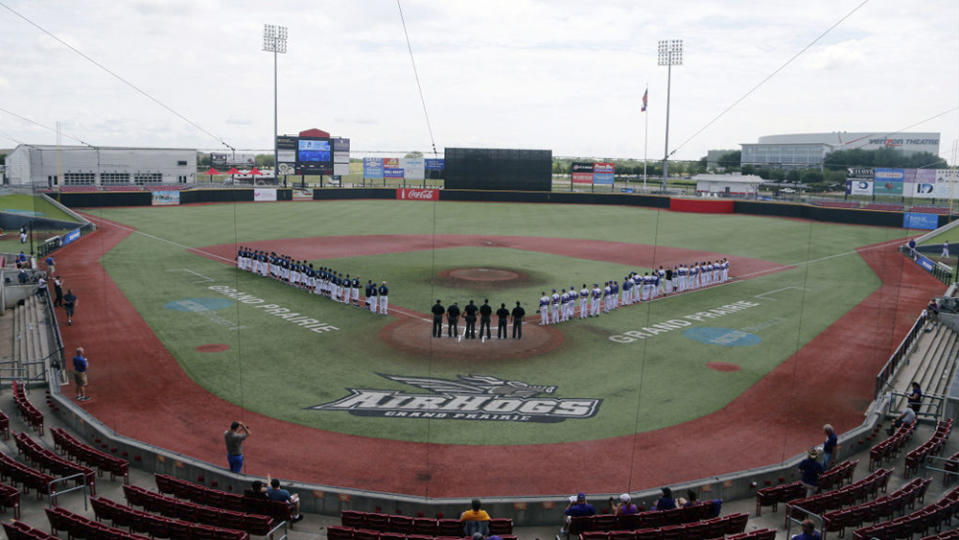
point(485, 279)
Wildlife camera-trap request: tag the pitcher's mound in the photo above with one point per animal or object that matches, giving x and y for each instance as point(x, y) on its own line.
point(482, 277)
point(414, 336)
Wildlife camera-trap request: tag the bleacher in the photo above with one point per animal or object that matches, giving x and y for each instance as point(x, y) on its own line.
point(31, 347)
point(121, 187)
point(930, 209)
point(167, 187)
point(79, 189)
point(884, 206)
point(838, 204)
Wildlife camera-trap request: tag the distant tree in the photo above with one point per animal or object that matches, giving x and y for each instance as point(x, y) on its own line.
point(811, 176)
point(793, 176)
point(202, 159)
point(3, 158)
point(883, 157)
point(731, 160)
point(748, 169)
point(777, 174)
point(414, 154)
point(264, 161)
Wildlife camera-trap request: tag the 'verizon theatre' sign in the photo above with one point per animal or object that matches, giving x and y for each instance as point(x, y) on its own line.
point(469, 397)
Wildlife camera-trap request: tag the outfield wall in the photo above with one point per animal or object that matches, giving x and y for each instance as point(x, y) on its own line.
point(145, 198)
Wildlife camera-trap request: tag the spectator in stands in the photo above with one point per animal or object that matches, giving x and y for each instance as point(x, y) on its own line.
point(915, 396)
point(22, 260)
point(257, 490)
point(829, 447)
point(907, 417)
point(41, 286)
point(80, 365)
point(624, 506)
point(234, 438)
point(276, 493)
point(22, 276)
point(666, 502)
point(577, 507)
point(808, 531)
point(811, 469)
point(690, 499)
point(475, 520)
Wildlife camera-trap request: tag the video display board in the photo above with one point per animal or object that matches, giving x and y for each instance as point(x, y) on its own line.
point(499, 169)
point(314, 156)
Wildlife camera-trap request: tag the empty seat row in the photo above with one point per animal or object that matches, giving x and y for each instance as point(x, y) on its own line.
point(30, 414)
point(78, 526)
point(917, 522)
point(89, 455)
point(838, 475)
point(25, 475)
point(867, 488)
point(10, 498)
point(53, 462)
point(20, 530)
point(699, 530)
point(880, 509)
point(159, 526)
point(773, 495)
point(198, 493)
point(189, 511)
point(416, 525)
point(339, 532)
point(4, 425)
point(931, 447)
point(891, 446)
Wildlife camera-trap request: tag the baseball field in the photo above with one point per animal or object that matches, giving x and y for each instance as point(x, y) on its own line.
point(177, 334)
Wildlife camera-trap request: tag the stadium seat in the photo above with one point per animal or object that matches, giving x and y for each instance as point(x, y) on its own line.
point(425, 526)
point(648, 534)
point(402, 524)
point(353, 518)
point(377, 521)
point(622, 535)
point(448, 527)
point(339, 532)
point(601, 522)
point(500, 526)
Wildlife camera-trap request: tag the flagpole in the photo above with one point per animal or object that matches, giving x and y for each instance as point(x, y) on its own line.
point(645, 135)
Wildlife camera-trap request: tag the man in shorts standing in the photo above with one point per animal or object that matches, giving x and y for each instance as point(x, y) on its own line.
point(80, 374)
point(69, 304)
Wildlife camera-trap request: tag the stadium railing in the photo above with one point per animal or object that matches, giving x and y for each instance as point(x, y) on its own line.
point(892, 365)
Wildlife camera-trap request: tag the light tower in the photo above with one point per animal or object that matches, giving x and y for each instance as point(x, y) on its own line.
point(670, 54)
point(274, 41)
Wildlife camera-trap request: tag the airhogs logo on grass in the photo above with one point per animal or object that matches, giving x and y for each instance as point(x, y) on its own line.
point(471, 397)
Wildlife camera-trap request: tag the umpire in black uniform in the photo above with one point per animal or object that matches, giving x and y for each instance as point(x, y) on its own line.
point(518, 314)
point(503, 315)
point(453, 321)
point(486, 313)
point(470, 312)
point(438, 311)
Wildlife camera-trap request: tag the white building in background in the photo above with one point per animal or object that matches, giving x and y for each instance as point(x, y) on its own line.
point(808, 150)
point(726, 185)
point(39, 164)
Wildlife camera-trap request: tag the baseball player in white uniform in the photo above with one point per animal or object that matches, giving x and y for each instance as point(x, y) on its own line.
point(554, 307)
point(594, 306)
point(584, 302)
point(544, 309)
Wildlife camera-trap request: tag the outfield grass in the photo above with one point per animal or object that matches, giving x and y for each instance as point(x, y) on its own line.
point(278, 369)
point(23, 203)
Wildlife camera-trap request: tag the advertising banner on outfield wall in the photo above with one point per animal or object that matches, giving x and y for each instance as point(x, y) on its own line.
point(417, 194)
point(603, 173)
point(887, 187)
point(414, 168)
point(859, 187)
point(582, 173)
point(71, 236)
point(372, 168)
point(890, 175)
point(916, 220)
point(264, 194)
point(165, 198)
point(861, 172)
point(434, 164)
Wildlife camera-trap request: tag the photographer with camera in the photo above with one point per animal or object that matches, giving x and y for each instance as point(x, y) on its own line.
point(234, 438)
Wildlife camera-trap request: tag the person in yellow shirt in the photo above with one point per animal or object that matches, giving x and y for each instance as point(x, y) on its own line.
point(475, 520)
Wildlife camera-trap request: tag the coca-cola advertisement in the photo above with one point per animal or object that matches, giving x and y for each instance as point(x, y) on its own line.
point(417, 194)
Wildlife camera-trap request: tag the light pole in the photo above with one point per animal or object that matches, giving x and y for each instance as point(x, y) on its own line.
point(670, 54)
point(274, 41)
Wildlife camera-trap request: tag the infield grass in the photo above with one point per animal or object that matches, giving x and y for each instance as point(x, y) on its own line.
point(279, 369)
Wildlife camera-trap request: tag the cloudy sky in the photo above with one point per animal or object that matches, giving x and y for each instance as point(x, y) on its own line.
point(562, 75)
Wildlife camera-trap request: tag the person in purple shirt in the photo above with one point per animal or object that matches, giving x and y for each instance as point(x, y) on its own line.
point(808, 531)
point(577, 507)
point(811, 469)
point(666, 502)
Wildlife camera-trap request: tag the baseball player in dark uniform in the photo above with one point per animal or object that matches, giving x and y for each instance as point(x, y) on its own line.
point(503, 314)
point(438, 310)
point(384, 299)
point(453, 321)
point(470, 312)
point(486, 313)
point(518, 314)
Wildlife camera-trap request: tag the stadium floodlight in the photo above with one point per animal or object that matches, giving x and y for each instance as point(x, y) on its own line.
point(670, 54)
point(274, 41)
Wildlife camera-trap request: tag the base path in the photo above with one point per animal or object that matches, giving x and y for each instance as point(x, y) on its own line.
point(785, 410)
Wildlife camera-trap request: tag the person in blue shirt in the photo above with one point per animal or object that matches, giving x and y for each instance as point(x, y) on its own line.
point(80, 374)
point(276, 493)
point(808, 531)
point(666, 502)
point(915, 396)
point(577, 507)
point(811, 469)
point(829, 447)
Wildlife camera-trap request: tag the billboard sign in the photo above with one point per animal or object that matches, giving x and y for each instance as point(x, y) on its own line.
point(582, 173)
point(890, 175)
point(917, 220)
point(392, 168)
point(264, 194)
point(414, 194)
point(223, 160)
point(434, 164)
point(372, 168)
point(286, 154)
point(341, 169)
point(165, 198)
point(860, 172)
point(859, 187)
point(314, 156)
point(889, 182)
point(603, 173)
point(414, 168)
point(74, 235)
point(340, 144)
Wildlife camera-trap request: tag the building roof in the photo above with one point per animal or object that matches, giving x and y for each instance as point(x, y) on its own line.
point(91, 148)
point(729, 178)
